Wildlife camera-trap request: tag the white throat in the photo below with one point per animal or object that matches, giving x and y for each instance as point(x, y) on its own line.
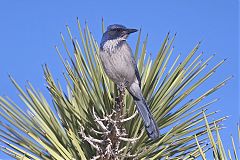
point(111, 46)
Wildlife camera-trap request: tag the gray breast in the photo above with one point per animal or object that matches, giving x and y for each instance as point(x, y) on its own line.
point(118, 63)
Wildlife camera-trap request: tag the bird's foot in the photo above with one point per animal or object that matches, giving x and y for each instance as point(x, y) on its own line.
point(121, 87)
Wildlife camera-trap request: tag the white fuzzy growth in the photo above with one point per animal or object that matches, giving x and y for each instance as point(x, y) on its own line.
point(111, 46)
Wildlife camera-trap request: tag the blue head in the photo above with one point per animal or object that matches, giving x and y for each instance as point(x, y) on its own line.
point(117, 31)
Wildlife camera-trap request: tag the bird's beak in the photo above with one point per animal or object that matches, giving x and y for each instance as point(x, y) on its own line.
point(129, 31)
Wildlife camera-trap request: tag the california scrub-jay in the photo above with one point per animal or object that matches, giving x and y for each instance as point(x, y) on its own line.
point(120, 66)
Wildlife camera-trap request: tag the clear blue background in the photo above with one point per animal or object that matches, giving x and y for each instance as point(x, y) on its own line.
point(30, 29)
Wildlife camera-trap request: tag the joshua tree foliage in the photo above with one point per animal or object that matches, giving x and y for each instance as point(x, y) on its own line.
point(95, 119)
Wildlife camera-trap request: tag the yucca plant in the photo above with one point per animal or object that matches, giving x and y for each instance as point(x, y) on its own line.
point(218, 149)
point(92, 118)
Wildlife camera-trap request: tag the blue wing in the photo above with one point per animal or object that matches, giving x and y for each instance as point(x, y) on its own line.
point(137, 72)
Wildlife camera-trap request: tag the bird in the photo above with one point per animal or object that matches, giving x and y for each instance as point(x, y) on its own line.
point(120, 66)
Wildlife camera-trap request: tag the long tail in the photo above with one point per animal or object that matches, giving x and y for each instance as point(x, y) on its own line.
point(143, 109)
point(149, 122)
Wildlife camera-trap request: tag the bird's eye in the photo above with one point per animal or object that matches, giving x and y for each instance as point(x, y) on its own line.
point(117, 29)
point(111, 33)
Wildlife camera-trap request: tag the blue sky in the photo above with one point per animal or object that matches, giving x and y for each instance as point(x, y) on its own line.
point(30, 29)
